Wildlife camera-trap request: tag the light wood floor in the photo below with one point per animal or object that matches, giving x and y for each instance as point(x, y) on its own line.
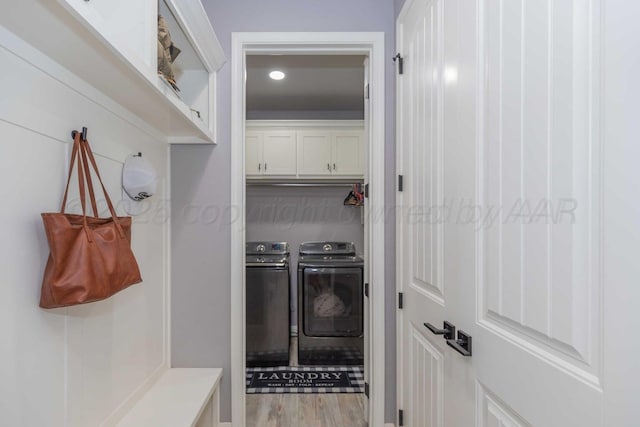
point(305, 410)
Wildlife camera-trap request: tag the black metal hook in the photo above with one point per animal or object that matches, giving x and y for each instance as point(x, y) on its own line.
point(84, 133)
point(400, 60)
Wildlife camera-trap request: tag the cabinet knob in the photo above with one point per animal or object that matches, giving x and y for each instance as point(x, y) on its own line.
point(328, 167)
point(259, 166)
point(334, 166)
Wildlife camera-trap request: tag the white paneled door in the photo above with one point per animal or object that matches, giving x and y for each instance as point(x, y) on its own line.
point(434, 381)
point(422, 355)
point(501, 215)
point(368, 232)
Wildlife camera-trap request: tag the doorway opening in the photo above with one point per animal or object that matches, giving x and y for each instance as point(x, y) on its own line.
point(290, 162)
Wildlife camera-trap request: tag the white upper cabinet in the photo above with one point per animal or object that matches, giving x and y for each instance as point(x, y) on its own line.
point(330, 152)
point(270, 153)
point(113, 47)
point(311, 150)
point(315, 154)
point(348, 152)
point(279, 152)
point(253, 157)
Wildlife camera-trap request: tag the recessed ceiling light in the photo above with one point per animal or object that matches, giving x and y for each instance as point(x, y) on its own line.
point(276, 75)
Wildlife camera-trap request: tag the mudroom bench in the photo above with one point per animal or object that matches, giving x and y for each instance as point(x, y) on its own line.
point(181, 397)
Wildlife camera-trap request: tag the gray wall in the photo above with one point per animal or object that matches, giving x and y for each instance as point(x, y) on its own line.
point(201, 192)
point(397, 5)
point(302, 214)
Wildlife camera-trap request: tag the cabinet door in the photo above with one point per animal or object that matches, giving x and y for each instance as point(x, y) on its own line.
point(279, 152)
point(347, 152)
point(315, 153)
point(253, 153)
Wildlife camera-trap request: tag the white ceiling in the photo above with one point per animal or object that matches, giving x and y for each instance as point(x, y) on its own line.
point(312, 83)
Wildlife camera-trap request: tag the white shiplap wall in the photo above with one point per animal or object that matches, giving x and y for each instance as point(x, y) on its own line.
point(72, 367)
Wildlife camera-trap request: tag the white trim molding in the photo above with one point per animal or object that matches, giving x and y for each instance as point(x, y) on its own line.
point(398, 237)
point(307, 123)
point(370, 44)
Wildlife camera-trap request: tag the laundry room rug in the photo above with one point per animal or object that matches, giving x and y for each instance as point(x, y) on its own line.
point(306, 379)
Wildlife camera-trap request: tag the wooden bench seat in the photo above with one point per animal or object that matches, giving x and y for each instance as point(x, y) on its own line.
point(182, 397)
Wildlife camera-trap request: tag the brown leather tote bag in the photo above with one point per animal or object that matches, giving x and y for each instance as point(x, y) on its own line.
point(91, 257)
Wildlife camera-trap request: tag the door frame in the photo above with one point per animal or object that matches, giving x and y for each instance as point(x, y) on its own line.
point(370, 44)
point(399, 229)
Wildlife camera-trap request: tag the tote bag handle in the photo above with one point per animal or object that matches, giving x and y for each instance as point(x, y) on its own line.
point(82, 156)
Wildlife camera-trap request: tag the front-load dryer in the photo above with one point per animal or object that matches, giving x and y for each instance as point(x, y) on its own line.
point(330, 304)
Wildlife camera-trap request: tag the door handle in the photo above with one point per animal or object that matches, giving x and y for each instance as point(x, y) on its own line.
point(328, 167)
point(265, 167)
point(334, 166)
point(259, 166)
point(462, 345)
point(448, 332)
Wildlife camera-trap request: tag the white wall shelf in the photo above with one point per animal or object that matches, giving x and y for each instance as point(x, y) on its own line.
point(113, 48)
